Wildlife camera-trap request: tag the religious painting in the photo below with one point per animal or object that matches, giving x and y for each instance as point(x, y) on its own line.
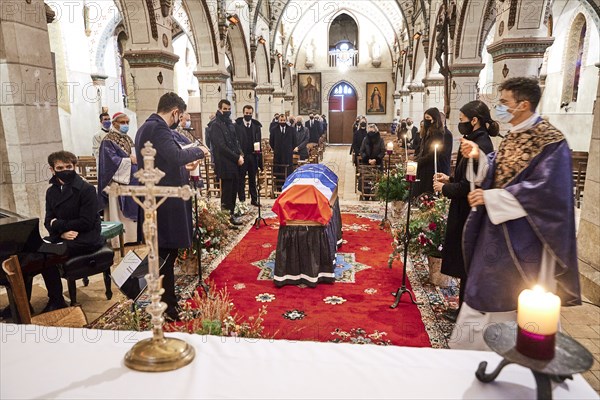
point(376, 97)
point(309, 93)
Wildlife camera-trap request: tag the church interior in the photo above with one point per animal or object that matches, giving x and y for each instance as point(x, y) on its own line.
point(64, 63)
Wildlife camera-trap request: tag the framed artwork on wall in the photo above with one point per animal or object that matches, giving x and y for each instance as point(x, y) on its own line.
point(376, 97)
point(309, 93)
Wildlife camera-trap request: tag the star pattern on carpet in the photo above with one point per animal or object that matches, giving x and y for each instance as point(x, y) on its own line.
point(334, 300)
point(345, 270)
point(370, 291)
point(355, 227)
point(239, 286)
point(265, 297)
point(294, 315)
point(360, 336)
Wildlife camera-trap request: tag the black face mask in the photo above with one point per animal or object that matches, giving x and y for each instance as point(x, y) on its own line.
point(363, 125)
point(67, 176)
point(174, 126)
point(311, 117)
point(465, 128)
point(298, 123)
point(282, 123)
point(427, 124)
point(247, 118)
point(371, 135)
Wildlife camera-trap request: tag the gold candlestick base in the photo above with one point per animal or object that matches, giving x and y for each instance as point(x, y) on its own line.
point(158, 355)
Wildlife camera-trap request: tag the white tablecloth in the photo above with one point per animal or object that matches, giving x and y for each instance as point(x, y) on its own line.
point(42, 362)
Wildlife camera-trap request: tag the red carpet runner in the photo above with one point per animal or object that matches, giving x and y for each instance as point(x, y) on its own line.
point(343, 312)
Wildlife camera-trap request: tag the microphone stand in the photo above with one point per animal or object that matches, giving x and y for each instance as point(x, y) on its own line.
point(259, 217)
point(198, 234)
point(401, 290)
point(385, 221)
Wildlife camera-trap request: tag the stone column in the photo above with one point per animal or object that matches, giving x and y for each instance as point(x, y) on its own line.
point(244, 95)
point(416, 102)
point(463, 89)
point(588, 236)
point(99, 82)
point(29, 127)
point(434, 92)
point(152, 76)
point(521, 40)
point(288, 103)
point(397, 105)
point(265, 110)
point(212, 90)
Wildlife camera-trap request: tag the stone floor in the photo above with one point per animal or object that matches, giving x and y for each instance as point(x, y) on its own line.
point(582, 322)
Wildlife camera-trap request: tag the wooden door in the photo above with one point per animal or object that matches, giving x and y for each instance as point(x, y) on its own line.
point(342, 113)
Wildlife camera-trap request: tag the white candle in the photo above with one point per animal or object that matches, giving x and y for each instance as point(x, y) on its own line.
point(435, 159)
point(196, 171)
point(538, 311)
point(256, 146)
point(405, 148)
point(411, 168)
point(471, 174)
point(390, 146)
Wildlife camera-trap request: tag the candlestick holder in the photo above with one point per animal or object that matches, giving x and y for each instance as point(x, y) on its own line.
point(259, 217)
point(401, 290)
point(195, 180)
point(385, 221)
point(570, 357)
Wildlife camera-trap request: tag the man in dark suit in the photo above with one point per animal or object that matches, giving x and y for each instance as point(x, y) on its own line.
point(314, 129)
point(174, 216)
point(282, 139)
point(248, 131)
point(228, 157)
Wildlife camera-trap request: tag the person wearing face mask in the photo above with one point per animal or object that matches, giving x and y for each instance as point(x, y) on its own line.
point(104, 129)
point(228, 158)
point(414, 139)
point(174, 216)
point(523, 229)
point(302, 137)
point(433, 130)
point(475, 125)
point(282, 139)
point(117, 163)
point(315, 129)
point(248, 131)
point(372, 149)
point(357, 139)
point(184, 128)
point(71, 218)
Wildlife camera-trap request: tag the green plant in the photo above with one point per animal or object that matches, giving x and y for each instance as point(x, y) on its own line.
point(427, 228)
point(395, 187)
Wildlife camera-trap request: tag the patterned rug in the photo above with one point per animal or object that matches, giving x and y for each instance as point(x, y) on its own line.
point(288, 306)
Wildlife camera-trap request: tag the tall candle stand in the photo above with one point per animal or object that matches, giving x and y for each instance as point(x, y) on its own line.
point(570, 357)
point(385, 221)
point(198, 234)
point(259, 217)
point(403, 289)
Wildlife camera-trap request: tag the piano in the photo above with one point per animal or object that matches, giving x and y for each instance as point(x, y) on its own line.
point(20, 235)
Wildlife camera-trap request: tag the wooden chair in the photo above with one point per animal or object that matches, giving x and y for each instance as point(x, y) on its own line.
point(369, 176)
point(72, 317)
point(86, 168)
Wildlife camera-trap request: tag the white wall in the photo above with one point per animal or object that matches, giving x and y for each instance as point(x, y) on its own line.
point(576, 121)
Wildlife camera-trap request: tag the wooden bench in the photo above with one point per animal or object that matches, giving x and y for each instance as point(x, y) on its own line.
point(579, 162)
point(87, 169)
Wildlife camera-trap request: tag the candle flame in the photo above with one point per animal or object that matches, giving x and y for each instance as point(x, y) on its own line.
point(539, 289)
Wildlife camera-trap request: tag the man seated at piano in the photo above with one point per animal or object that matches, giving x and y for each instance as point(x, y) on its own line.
point(72, 219)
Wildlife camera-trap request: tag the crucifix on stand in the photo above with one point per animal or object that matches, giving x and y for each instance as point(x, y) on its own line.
point(158, 353)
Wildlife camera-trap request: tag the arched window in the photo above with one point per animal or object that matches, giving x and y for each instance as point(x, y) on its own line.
point(343, 37)
point(574, 59)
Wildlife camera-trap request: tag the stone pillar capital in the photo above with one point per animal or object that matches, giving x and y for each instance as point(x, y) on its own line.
point(415, 87)
point(289, 97)
point(151, 59)
point(466, 70)
point(433, 81)
point(243, 85)
point(508, 48)
point(265, 90)
point(211, 76)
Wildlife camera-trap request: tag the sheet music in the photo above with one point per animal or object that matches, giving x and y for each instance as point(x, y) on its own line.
point(126, 267)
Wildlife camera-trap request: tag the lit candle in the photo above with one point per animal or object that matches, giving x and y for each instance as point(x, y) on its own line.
point(411, 171)
point(390, 146)
point(537, 318)
point(195, 171)
point(435, 159)
point(405, 148)
point(256, 146)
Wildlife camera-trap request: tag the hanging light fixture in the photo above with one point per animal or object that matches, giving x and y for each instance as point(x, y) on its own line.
point(262, 40)
point(417, 35)
point(233, 19)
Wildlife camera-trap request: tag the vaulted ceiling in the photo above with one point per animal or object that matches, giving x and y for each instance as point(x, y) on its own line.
point(391, 16)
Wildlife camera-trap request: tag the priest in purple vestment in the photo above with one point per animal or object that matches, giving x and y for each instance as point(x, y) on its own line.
point(525, 208)
point(117, 163)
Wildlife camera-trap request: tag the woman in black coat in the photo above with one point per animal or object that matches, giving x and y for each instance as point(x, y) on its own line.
point(360, 133)
point(372, 149)
point(475, 125)
point(434, 134)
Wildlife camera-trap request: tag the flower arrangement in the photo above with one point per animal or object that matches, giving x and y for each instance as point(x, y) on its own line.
point(427, 228)
point(212, 224)
point(395, 187)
